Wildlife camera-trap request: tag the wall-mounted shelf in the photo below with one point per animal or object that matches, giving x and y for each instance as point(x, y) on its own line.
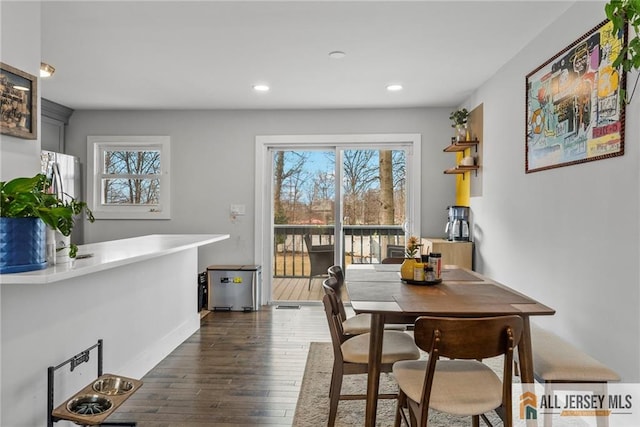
point(461, 145)
point(460, 169)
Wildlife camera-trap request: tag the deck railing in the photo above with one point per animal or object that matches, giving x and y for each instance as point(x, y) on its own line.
point(363, 244)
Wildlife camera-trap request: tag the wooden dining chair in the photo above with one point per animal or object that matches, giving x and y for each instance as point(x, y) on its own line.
point(351, 355)
point(359, 323)
point(463, 385)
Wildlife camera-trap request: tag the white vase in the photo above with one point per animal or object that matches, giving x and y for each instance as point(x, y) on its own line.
point(57, 247)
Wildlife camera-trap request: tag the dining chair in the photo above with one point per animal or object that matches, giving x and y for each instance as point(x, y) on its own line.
point(396, 251)
point(359, 323)
point(351, 355)
point(321, 257)
point(392, 260)
point(462, 385)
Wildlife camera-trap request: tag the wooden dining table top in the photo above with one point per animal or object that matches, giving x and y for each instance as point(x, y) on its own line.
point(379, 288)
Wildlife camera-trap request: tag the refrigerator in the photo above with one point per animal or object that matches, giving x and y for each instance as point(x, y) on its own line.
point(66, 178)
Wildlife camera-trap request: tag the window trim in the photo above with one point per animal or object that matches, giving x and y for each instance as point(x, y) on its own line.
point(96, 145)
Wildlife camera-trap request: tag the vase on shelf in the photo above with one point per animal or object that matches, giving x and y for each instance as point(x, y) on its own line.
point(463, 133)
point(406, 269)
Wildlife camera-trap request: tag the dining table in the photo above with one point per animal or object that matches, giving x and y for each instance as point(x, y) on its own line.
point(378, 289)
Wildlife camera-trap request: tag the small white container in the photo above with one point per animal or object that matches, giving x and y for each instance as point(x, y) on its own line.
point(418, 272)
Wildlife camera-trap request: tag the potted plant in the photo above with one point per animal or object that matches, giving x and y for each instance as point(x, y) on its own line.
point(621, 12)
point(459, 120)
point(27, 208)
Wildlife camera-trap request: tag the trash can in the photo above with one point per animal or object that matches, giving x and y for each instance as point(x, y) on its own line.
point(234, 287)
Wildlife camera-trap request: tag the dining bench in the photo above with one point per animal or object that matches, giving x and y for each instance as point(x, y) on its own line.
point(555, 361)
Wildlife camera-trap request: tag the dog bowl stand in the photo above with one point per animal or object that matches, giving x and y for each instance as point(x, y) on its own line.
point(96, 404)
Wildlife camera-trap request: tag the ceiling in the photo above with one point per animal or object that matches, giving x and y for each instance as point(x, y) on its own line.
point(209, 54)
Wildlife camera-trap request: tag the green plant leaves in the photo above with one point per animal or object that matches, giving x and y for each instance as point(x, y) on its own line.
point(29, 198)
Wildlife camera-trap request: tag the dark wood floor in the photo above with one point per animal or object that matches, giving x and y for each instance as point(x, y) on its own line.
point(239, 369)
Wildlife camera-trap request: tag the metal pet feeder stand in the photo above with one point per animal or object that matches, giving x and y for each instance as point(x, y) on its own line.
point(95, 402)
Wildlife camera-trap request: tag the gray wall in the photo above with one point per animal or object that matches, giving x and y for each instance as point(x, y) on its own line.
point(569, 236)
point(213, 161)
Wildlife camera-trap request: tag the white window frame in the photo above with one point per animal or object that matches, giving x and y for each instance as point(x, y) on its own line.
point(96, 145)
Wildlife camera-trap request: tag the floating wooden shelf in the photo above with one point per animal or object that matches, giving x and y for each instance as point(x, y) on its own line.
point(461, 169)
point(460, 145)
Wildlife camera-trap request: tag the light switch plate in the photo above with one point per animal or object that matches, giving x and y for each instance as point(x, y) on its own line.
point(238, 209)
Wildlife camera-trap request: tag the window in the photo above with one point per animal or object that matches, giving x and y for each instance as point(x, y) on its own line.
point(128, 177)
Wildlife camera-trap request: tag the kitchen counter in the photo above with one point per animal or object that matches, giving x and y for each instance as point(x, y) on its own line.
point(112, 254)
point(138, 295)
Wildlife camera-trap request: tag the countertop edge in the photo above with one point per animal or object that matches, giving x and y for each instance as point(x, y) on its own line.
point(86, 266)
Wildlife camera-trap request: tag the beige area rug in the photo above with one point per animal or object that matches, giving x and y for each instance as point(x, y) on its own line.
point(312, 409)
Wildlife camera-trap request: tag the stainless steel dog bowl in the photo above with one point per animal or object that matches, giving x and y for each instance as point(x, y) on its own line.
point(112, 386)
point(90, 404)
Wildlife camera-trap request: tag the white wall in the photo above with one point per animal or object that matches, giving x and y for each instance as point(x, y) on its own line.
point(213, 160)
point(20, 48)
point(568, 237)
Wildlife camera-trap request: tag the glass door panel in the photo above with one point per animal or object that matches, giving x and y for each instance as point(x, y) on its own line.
point(374, 204)
point(303, 222)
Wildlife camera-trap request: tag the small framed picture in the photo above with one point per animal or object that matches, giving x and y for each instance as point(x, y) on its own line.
point(19, 106)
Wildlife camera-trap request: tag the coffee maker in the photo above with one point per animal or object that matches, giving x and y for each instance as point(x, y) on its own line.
point(457, 228)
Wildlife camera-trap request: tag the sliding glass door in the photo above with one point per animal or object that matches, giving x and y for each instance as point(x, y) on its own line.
point(335, 202)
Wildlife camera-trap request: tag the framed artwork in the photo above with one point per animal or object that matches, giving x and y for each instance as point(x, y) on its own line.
point(19, 106)
point(574, 112)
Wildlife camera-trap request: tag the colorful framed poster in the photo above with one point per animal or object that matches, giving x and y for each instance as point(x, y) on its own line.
point(19, 103)
point(574, 112)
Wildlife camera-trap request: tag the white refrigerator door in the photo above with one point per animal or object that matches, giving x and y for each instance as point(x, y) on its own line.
point(71, 178)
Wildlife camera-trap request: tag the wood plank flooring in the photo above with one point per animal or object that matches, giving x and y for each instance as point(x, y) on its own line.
point(297, 289)
point(239, 369)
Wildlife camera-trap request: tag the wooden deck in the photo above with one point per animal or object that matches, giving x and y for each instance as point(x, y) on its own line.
point(296, 289)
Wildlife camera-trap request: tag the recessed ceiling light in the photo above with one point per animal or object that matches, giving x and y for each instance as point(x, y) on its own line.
point(394, 87)
point(261, 88)
point(46, 70)
point(337, 54)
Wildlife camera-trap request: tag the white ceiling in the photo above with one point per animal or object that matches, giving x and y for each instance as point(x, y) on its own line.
point(208, 54)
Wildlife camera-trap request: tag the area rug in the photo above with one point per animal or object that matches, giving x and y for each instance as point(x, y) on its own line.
point(312, 409)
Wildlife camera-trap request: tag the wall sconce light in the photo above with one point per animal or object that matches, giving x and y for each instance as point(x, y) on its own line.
point(46, 70)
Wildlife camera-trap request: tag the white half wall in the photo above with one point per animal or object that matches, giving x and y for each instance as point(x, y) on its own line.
point(568, 237)
point(142, 311)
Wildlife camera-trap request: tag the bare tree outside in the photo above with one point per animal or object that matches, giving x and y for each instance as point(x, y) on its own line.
point(289, 175)
point(387, 215)
point(135, 177)
point(373, 204)
point(361, 172)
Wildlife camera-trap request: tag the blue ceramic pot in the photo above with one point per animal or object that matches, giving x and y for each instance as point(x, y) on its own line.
point(23, 244)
